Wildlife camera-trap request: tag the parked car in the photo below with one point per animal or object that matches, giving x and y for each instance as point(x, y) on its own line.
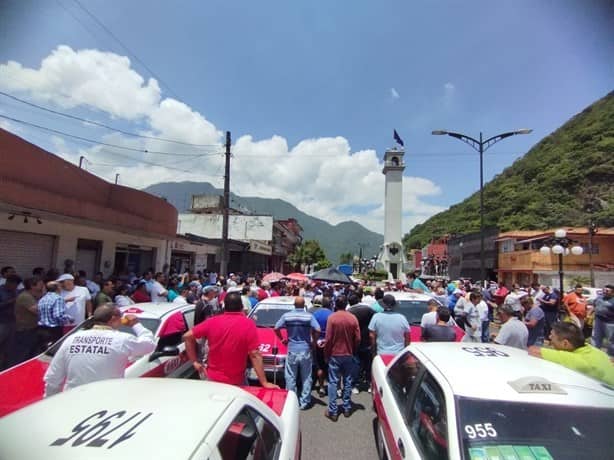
point(23, 384)
point(157, 419)
point(413, 306)
point(471, 401)
point(266, 313)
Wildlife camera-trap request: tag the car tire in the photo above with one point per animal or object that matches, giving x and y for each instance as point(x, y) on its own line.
point(379, 441)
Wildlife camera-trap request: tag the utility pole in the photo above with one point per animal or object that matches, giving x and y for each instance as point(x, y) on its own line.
point(116, 178)
point(81, 158)
point(224, 260)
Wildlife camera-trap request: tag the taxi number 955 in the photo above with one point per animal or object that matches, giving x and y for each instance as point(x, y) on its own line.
point(480, 430)
point(101, 428)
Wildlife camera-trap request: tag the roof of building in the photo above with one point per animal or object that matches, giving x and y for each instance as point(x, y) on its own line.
point(488, 371)
point(536, 234)
point(53, 186)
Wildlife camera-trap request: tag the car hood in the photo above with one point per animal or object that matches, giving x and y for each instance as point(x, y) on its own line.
point(22, 385)
point(268, 339)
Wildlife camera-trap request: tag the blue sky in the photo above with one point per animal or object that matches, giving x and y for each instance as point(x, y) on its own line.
point(312, 90)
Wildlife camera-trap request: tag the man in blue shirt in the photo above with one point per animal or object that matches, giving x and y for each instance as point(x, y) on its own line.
point(389, 331)
point(303, 332)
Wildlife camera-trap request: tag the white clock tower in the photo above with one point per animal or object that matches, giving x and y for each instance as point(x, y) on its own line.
point(392, 257)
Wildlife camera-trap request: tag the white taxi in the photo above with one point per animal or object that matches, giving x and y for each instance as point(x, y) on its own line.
point(23, 384)
point(480, 402)
point(129, 419)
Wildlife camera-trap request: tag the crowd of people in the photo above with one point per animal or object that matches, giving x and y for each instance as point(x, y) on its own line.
point(331, 344)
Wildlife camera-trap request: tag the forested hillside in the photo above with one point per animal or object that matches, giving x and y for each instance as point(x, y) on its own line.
point(565, 178)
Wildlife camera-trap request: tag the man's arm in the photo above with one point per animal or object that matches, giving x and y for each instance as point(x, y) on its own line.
point(256, 358)
point(191, 350)
point(144, 341)
point(281, 322)
point(373, 339)
point(356, 336)
point(56, 373)
point(88, 308)
point(328, 345)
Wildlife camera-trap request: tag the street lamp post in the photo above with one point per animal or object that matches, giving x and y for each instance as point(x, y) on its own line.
point(560, 245)
point(481, 146)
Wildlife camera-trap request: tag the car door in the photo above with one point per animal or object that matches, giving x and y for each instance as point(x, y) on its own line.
point(427, 419)
point(392, 404)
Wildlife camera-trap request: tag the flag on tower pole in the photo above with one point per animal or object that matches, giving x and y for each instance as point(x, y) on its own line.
point(398, 139)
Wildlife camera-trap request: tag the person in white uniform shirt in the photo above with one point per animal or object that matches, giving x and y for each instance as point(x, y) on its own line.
point(99, 353)
point(430, 318)
point(77, 298)
point(158, 291)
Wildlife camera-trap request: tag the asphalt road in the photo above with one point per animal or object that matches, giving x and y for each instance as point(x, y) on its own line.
point(347, 438)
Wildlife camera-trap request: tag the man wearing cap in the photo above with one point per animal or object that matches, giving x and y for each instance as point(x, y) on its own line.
point(513, 332)
point(207, 305)
point(389, 331)
point(77, 298)
point(99, 353)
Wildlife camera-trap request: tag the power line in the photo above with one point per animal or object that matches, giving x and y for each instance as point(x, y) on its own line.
point(149, 163)
point(125, 48)
point(102, 125)
point(85, 139)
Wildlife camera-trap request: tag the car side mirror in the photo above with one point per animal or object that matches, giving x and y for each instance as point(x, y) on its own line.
point(166, 351)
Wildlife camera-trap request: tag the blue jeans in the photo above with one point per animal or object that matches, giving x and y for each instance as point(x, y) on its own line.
point(341, 367)
point(600, 332)
point(298, 365)
point(485, 331)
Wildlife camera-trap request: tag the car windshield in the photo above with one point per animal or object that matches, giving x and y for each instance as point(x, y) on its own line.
point(412, 310)
point(150, 323)
point(267, 315)
point(516, 430)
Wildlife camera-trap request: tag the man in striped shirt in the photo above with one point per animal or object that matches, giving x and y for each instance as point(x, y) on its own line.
point(303, 331)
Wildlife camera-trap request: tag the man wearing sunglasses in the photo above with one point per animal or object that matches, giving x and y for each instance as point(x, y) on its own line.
point(99, 353)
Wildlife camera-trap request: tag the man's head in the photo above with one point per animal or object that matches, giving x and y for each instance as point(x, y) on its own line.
point(475, 298)
point(109, 315)
point(299, 302)
point(608, 290)
point(67, 281)
point(443, 314)
point(379, 294)
point(411, 276)
point(546, 289)
point(326, 302)
point(526, 302)
point(433, 305)
point(457, 292)
point(107, 287)
point(389, 302)
point(233, 302)
point(505, 312)
point(6, 271)
point(353, 299)
point(341, 303)
point(159, 277)
point(210, 292)
point(12, 281)
point(52, 286)
point(566, 336)
point(578, 289)
point(34, 285)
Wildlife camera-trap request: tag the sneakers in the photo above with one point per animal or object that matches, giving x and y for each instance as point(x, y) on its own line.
point(355, 391)
point(321, 392)
point(347, 413)
point(331, 417)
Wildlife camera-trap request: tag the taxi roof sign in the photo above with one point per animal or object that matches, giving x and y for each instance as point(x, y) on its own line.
point(536, 385)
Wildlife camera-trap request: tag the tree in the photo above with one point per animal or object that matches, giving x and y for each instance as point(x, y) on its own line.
point(345, 258)
point(308, 253)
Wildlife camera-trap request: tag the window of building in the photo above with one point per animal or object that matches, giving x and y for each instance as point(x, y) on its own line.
point(507, 246)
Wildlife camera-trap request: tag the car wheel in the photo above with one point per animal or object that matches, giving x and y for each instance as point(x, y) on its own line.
point(379, 441)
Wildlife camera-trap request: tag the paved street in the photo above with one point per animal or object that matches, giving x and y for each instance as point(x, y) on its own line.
point(347, 438)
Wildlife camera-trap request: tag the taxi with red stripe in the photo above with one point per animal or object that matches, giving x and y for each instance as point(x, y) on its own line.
point(128, 419)
point(23, 384)
point(485, 401)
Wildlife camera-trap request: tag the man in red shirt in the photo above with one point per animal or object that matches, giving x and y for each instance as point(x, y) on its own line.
point(232, 339)
point(340, 347)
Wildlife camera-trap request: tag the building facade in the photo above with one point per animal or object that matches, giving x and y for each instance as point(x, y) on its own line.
point(54, 214)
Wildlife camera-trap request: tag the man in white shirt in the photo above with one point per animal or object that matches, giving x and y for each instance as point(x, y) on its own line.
point(473, 323)
point(513, 332)
point(77, 298)
point(99, 353)
point(430, 318)
point(158, 291)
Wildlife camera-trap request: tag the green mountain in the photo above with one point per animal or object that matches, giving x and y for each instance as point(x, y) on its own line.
point(562, 181)
point(334, 239)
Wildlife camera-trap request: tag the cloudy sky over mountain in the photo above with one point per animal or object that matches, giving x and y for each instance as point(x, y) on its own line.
point(311, 93)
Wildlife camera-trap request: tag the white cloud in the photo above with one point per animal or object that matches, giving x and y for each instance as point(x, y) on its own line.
point(320, 176)
point(394, 93)
point(449, 87)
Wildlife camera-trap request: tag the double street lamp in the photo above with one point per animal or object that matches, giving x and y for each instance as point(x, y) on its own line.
point(481, 146)
point(561, 245)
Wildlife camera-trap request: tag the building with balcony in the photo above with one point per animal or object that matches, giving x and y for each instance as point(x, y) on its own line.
point(520, 261)
point(287, 235)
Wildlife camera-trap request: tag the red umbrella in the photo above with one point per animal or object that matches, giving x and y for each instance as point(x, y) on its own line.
point(297, 277)
point(272, 277)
